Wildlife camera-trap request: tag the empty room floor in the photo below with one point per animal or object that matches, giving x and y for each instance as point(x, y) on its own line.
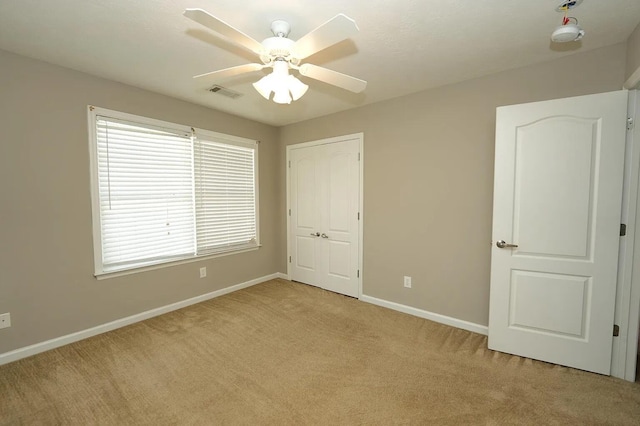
point(288, 353)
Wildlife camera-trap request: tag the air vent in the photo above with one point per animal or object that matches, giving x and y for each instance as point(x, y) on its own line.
point(219, 90)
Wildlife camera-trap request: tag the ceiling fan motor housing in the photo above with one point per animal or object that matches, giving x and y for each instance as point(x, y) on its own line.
point(275, 48)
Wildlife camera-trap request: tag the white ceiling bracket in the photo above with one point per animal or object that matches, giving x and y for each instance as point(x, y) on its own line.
point(568, 5)
point(280, 28)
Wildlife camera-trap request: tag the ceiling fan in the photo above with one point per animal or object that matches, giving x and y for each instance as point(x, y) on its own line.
point(283, 54)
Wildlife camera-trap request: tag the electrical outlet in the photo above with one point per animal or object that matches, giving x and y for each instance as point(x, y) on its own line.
point(5, 320)
point(203, 272)
point(407, 282)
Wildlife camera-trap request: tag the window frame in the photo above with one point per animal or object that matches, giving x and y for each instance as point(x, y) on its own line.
point(100, 272)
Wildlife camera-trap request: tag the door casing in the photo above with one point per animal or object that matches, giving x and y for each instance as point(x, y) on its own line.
point(360, 138)
point(627, 310)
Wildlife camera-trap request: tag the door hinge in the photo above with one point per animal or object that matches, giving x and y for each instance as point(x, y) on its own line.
point(623, 229)
point(358, 215)
point(616, 330)
point(358, 156)
point(629, 123)
point(289, 212)
point(289, 259)
point(358, 273)
point(289, 163)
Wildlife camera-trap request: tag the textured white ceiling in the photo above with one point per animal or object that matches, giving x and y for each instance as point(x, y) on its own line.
point(404, 46)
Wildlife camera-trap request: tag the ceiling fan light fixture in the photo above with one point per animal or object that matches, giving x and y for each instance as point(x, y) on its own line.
point(297, 88)
point(282, 54)
point(282, 96)
point(284, 86)
point(279, 83)
point(264, 85)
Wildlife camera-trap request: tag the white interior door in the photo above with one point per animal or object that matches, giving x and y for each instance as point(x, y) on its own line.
point(340, 199)
point(305, 215)
point(324, 223)
point(557, 198)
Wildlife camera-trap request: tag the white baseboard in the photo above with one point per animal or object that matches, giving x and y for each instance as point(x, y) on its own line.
point(442, 319)
point(37, 348)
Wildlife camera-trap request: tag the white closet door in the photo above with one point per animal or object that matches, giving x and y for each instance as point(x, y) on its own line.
point(305, 215)
point(339, 198)
point(324, 229)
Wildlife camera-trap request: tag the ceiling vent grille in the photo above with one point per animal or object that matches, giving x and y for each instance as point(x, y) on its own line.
point(219, 90)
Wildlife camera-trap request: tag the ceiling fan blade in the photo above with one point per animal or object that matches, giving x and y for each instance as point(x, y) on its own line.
point(224, 29)
point(333, 77)
point(230, 72)
point(336, 29)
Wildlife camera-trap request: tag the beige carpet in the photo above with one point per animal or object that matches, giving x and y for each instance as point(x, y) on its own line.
point(286, 353)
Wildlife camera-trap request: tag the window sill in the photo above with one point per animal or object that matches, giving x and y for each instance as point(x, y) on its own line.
point(180, 261)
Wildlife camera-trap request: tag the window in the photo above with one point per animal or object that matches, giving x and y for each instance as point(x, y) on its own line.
point(163, 192)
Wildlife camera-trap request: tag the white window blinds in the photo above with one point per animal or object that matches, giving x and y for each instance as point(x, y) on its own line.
point(225, 196)
point(163, 193)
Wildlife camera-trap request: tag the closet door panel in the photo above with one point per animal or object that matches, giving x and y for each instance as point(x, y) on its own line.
point(305, 216)
point(340, 226)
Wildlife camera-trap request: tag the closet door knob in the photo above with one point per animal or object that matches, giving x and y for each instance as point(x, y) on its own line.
point(317, 234)
point(324, 235)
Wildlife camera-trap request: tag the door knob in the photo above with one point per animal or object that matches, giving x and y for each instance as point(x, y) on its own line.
point(317, 234)
point(324, 235)
point(502, 244)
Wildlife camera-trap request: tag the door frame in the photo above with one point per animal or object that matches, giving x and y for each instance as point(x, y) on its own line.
point(360, 138)
point(627, 310)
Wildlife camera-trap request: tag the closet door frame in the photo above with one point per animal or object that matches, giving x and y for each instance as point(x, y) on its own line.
point(360, 138)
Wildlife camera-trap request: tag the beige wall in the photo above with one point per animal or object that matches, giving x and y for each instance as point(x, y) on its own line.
point(428, 188)
point(46, 259)
point(633, 52)
point(428, 177)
